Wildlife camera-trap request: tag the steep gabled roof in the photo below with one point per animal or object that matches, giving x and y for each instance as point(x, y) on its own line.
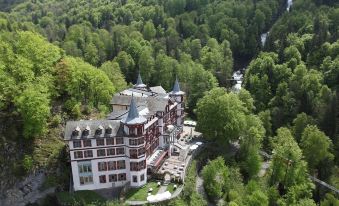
point(91, 126)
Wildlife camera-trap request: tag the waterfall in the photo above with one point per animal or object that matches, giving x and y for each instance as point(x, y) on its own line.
point(264, 38)
point(289, 4)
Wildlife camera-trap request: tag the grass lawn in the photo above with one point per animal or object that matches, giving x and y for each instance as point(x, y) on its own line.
point(83, 197)
point(170, 187)
point(141, 193)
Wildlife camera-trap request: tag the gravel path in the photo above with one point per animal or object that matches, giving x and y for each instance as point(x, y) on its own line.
point(162, 189)
point(199, 186)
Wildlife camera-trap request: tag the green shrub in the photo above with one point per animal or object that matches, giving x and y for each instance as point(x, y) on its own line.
point(76, 111)
point(27, 163)
point(56, 120)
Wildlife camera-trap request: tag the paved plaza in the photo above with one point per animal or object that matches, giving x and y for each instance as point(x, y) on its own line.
point(175, 166)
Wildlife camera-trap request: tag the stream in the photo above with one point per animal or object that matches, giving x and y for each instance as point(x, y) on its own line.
point(238, 75)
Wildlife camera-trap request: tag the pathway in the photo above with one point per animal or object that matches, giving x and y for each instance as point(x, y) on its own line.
point(199, 186)
point(162, 189)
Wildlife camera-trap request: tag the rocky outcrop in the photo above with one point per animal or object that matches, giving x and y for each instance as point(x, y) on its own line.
point(27, 191)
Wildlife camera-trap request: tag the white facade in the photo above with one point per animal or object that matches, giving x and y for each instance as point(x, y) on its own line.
point(99, 166)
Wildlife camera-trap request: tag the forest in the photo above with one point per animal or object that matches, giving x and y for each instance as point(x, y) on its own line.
point(63, 60)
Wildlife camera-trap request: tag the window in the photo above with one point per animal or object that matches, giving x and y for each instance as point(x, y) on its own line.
point(102, 166)
point(111, 152)
point(102, 178)
point(137, 166)
point(112, 178)
point(86, 180)
point(142, 177)
point(75, 133)
point(133, 142)
point(141, 151)
point(110, 141)
point(112, 165)
point(122, 177)
point(85, 168)
point(121, 164)
point(131, 130)
point(101, 152)
point(98, 132)
point(119, 140)
point(133, 153)
point(85, 133)
point(135, 178)
point(78, 154)
point(140, 141)
point(139, 131)
point(120, 151)
point(134, 166)
point(76, 144)
point(88, 153)
point(87, 143)
point(142, 165)
point(100, 142)
point(108, 130)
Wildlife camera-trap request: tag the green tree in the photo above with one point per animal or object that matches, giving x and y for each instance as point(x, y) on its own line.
point(287, 167)
point(215, 175)
point(149, 30)
point(112, 70)
point(329, 200)
point(87, 84)
point(247, 99)
point(146, 65)
point(257, 198)
point(33, 105)
point(300, 123)
point(200, 82)
point(127, 65)
point(221, 116)
point(316, 146)
point(265, 117)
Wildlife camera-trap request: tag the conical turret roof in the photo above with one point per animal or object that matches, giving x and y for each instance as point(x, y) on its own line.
point(139, 83)
point(176, 88)
point(133, 115)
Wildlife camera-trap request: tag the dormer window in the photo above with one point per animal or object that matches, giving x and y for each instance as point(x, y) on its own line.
point(85, 133)
point(109, 130)
point(76, 132)
point(98, 132)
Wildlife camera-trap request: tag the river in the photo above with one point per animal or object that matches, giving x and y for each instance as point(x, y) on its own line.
point(238, 74)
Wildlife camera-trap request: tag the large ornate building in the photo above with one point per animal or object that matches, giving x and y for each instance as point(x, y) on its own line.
point(131, 143)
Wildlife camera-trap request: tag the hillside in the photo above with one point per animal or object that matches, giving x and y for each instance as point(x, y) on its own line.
point(63, 60)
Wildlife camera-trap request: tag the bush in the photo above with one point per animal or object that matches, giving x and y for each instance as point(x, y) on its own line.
point(27, 163)
point(84, 197)
point(56, 120)
point(76, 111)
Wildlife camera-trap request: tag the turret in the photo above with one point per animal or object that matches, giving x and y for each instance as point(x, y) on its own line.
point(133, 120)
point(176, 93)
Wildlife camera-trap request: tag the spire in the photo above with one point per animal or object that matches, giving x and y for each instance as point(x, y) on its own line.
point(133, 114)
point(133, 111)
point(176, 87)
point(139, 83)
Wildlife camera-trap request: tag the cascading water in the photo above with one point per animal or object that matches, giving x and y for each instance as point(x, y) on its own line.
point(238, 75)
